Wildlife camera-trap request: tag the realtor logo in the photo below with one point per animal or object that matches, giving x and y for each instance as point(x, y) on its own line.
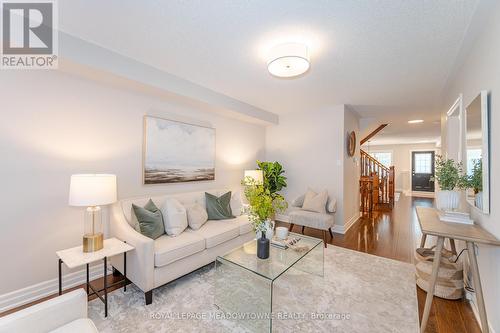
point(29, 35)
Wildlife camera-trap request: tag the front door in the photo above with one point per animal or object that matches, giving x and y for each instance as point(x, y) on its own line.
point(422, 167)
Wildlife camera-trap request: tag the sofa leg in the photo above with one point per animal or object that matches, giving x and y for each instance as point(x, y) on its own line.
point(303, 230)
point(331, 233)
point(290, 227)
point(324, 237)
point(149, 297)
point(116, 272)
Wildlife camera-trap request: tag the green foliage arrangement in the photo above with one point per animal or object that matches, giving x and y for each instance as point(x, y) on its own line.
point(475, 180)
point(450, 175)
point(274, 180)
point(263, 204)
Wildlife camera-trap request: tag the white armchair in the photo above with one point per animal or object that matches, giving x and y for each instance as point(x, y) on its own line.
point(305, 218)
point(65, 313)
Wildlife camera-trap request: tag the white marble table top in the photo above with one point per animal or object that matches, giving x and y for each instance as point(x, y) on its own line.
point(75, 256)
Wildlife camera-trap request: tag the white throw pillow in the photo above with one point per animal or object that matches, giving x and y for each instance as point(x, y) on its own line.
point(174, 217)
point(315, 202)
point(196, 215)
point(235, 203)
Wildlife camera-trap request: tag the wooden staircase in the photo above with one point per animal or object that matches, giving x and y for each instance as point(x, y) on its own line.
point(382, 179)
point(376, 183)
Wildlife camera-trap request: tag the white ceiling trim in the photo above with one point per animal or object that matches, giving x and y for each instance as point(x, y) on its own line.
point(88, 54)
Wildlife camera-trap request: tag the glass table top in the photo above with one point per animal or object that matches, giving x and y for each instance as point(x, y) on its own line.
point(279, 261)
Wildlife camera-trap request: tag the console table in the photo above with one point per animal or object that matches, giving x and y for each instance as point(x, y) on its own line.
point(75, 257)
point(470, 233)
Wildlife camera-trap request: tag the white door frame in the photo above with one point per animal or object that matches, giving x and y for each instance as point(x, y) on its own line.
point(419, 193)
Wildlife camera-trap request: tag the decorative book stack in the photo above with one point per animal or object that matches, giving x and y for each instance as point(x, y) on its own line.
point(455, 217)
point(289, 242)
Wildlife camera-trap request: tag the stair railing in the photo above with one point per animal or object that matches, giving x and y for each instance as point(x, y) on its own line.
point(383, 179)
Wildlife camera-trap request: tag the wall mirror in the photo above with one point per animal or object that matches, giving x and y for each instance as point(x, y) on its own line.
point(477, 152)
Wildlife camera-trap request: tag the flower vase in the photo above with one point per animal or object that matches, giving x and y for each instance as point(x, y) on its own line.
point(478, 200)
point(447, 200)
point(263, 247)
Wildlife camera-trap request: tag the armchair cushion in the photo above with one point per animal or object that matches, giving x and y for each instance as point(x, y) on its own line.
point(331, 204)
point(311, 219)
point(315, 202)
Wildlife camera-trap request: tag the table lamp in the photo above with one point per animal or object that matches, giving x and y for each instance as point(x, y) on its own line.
point(256, 175)
point(92, 191)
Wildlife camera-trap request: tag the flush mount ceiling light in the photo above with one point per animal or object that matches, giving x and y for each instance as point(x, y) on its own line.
point(288, 60)
point(416, 121)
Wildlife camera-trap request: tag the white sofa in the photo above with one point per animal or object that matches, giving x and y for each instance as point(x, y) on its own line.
point(65, 313)
point(154, 263)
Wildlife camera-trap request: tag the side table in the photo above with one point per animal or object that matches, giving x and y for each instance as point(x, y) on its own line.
point(472, 234)
point(75, 257)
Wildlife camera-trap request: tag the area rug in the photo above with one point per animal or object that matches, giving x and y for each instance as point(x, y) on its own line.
point(358, 293)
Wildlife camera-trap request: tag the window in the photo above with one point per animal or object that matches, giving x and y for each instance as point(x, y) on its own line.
point(472, 156)
point(384, 157)
point(423, 163)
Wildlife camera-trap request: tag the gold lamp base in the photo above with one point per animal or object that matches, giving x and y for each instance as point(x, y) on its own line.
point(92, 242)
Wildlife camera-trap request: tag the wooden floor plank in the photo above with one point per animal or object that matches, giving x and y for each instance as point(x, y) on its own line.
point(395, 235)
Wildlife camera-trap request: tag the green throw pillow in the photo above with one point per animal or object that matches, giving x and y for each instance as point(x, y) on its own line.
point(150, 220)
point(219, 208)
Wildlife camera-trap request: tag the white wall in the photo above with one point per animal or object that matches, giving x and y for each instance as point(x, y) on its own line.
point(480, 70)
point(352, 170)
point(53, 125)
point(401, 159)
point(310, 145)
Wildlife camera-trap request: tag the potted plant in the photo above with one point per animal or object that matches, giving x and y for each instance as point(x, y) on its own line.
point(274, 180)
point(449, 175)
point(475, 182)
point(263, 205)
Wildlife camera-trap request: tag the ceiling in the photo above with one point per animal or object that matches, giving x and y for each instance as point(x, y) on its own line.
point(387, 59)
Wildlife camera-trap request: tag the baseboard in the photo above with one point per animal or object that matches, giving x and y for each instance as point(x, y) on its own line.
point(342, 229)
point(43, 289)
point(472, 301)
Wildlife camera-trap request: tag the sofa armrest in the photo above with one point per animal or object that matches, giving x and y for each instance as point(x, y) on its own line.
point(298, 202)
point(48, 315)
point(331, 205)
point(140, 261)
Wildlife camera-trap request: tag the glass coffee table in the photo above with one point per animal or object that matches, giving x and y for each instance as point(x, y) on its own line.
point(244, 283)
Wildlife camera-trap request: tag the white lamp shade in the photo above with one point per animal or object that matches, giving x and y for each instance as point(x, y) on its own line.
point(92, 190)
point(256, 175)
point(288, 60)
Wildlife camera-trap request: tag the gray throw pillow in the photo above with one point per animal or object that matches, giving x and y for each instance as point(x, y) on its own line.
point(219, 208)
point(150, 220)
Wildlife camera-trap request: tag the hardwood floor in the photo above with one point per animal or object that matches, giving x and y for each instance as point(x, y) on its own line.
point(396, 234)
